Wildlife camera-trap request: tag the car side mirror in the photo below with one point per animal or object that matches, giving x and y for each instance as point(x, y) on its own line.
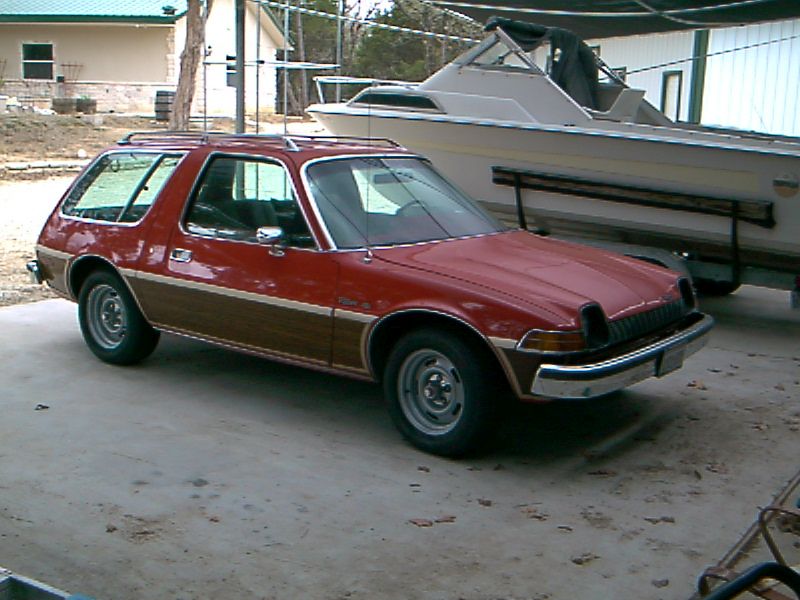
point(269, 236)
point(272, 237)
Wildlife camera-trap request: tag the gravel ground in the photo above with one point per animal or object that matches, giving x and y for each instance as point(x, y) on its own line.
point(24, 206)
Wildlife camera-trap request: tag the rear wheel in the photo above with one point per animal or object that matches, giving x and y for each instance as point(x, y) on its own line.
point(111, 323)
point(440, 392)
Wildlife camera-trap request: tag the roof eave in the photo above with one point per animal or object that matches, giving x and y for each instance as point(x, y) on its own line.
point(133, 19)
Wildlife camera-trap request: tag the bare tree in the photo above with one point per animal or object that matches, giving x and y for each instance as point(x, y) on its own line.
point(196, 16)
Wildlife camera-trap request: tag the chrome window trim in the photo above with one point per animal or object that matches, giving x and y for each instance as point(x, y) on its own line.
point(159, 153)
point(253, 158)
point(312, 201)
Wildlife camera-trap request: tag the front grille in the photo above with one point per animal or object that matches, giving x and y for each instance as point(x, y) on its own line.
point(641, 324)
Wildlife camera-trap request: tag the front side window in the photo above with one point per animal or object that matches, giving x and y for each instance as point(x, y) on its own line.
point(120, 186)
point(385, 201)
point(37, 61)
point(237, 197)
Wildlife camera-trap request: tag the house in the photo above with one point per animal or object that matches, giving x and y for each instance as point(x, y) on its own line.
point(121, 52)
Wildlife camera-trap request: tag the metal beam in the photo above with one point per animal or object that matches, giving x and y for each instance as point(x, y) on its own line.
point(240, 87)
point(699, 59)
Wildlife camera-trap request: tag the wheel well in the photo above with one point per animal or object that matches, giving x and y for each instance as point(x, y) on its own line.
point(390, 330)
point(82, 268)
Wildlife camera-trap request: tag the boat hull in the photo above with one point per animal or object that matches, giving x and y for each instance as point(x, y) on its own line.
point(467, 151)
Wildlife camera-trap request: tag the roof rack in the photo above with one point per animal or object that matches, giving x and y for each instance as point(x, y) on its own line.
point(291, 142)
point(333, 139)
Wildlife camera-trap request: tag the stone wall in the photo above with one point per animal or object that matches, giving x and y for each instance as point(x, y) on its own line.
point(111, 97)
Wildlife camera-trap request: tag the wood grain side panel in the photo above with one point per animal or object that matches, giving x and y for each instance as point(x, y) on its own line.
point(54, 271)
point(236, 320)
point(522, 368)
point(348, 339)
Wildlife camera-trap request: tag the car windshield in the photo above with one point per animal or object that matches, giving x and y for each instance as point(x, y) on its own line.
point(368, 201)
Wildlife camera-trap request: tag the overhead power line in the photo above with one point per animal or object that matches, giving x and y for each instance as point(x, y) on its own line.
point(712, 54)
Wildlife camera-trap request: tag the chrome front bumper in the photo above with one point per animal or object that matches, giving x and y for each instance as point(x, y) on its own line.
point(656, 360)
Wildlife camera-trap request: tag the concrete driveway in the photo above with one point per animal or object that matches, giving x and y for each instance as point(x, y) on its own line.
point(207, 474)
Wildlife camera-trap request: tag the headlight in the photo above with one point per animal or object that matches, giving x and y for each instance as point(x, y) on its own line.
point(537, 340)
point(687, 293)
point(592, 334)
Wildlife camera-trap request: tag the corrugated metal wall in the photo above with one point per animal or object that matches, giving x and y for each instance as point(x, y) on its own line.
point(755, 88)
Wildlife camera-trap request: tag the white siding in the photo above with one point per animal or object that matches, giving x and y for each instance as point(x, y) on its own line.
point(220, 36)
point(755, 88)
point(646, 52)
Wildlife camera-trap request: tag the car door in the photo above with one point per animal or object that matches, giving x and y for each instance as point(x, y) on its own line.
point(220, 282)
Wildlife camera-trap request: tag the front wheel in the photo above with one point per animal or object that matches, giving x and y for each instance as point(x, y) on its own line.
point(111, 323)
point(440, 392)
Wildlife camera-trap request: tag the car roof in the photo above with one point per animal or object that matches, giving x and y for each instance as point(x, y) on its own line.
point(304, 147)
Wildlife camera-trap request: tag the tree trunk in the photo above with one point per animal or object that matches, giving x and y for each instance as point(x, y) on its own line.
point(191, 56)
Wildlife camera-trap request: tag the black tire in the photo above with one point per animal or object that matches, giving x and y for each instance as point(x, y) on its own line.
point(714, 288)
point(442, 394)
point(111, 323)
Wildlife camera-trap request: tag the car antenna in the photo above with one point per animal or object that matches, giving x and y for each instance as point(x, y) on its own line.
point(368, 256)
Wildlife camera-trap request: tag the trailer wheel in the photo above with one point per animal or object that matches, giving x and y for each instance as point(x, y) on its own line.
point(715, 288)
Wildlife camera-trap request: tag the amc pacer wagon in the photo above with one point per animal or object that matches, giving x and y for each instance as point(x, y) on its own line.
point(355, 257)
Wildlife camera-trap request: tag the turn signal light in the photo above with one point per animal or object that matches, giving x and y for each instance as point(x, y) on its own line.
point(552, 341)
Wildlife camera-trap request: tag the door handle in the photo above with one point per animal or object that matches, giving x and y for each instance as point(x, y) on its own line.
point(180, 255)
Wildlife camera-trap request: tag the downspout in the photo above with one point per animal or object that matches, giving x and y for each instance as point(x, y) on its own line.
point(699, 60)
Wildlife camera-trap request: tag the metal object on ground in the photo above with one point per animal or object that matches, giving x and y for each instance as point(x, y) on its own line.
point(16, 587)
point(760, 542)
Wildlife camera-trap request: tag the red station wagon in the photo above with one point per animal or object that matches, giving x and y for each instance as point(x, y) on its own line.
point(355, 257)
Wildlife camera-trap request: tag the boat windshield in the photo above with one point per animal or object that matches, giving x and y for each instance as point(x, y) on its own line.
point(370, 201)
point(498, 52)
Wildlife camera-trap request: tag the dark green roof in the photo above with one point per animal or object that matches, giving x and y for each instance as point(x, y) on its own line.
point(91, 11)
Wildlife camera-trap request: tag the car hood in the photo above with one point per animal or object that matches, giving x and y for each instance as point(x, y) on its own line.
point(556, 276)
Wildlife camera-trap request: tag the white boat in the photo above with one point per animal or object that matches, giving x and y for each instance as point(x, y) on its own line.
point(570, 153)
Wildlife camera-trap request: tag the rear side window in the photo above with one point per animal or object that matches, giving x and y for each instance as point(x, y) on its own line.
point(120, 186)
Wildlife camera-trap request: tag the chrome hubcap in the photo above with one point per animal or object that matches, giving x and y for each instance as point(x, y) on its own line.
point(106, 316)
point(431, 392)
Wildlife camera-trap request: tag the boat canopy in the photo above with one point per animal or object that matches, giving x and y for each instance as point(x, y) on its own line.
point(573, 65)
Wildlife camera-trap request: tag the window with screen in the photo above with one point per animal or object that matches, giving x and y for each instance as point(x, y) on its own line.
point(37, 61)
